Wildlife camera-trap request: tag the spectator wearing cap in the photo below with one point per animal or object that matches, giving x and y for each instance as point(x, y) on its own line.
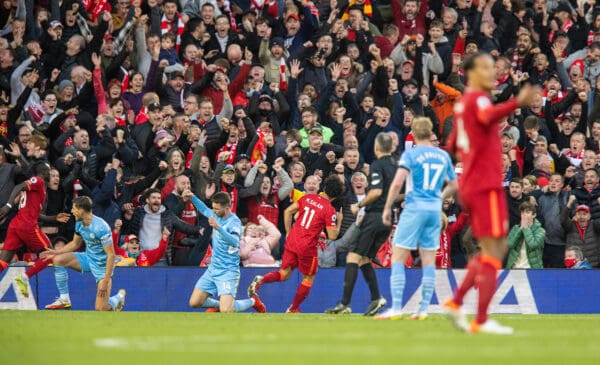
point(298, 30)
point(273, 55)
point(267, 109)
point(319, 155)
point(576, 31)
point(145, 133)
point(574, 258)
point(569, 126)
point(551, 203)
point(175, 91)
point(591, 60)
point(224, 179)
point(132, 254)
point(581, 230)
point(589, 193)
point(526, 241)
point(410, 96)
point(309, 120)
point(430, 62)
point(265, 199)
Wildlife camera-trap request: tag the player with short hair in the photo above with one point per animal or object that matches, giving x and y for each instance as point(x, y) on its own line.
point(476, 137)
point(425, 168)
point(373, 233)
point(23, 229)
point(223, 274)
point(99, 255)
point(315, 213)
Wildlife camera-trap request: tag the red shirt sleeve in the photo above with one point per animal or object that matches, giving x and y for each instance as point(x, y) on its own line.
point(153, 256)
point(488, 113)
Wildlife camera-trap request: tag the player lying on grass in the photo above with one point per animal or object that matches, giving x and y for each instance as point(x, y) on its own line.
point(222, 277)
point(98, 258)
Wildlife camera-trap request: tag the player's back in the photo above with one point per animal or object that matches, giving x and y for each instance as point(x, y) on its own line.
point(96, 236)
point(478, 143)
point(314, 214)
point(225, 256)
point(429, 167)
point(31, 202)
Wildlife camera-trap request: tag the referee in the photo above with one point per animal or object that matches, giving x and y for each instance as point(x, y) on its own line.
point(373, 232)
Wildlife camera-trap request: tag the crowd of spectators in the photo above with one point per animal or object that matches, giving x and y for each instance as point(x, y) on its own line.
point(133, 102)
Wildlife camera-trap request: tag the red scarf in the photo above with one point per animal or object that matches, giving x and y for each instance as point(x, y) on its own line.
point(581, 231)
point(516, 61)
point(95, 8)
point(590, 37)
point(188, 158)
point(233, 195)
point(142, 117)
point(565, 29)
point(176, 27)
point(283, 85)
point(502, 81)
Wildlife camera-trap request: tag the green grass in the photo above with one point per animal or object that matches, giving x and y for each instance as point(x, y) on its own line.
point(82, 338)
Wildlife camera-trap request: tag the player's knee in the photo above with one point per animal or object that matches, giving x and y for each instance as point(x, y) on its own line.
point(285, 274)
point(226, 308)
point(195, 303)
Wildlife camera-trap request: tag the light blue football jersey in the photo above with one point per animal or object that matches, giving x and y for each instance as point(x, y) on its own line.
point(428, 167)
point(96, 236)
point(225, 240)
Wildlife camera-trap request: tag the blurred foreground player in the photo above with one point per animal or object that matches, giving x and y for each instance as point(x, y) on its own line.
point(476, 138)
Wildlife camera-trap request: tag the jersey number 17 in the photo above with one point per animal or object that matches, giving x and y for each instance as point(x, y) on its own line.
point(430, 180)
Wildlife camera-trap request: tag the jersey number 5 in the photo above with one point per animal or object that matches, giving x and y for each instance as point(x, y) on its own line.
point(429, 181)
point(307, 217)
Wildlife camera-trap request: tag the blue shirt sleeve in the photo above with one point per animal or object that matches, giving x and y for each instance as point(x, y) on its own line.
point(231, 234)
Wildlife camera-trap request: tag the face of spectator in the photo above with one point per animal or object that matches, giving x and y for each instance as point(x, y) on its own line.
point(390, 68)
point(6, 58)
point(346, 65)
point(354, 18)
point(228, 177)
point(176, 161)
point(568, 125)
point(311, 185)
point(154, 202)
point(315, 141)
point(262, 29)
point(436, 34)
point(182, 183)
point(576, 110)
point(593, 55)
point(449, 20)
point(34, 48)
point(590, 178)
point(297, 173)
point(505, 161)
point(407, 70)
point(255, 231)
point(409, 116)
point(152, 41)
point(350, 142)
point(523, 44)
point(190, 106)
point(507, 143)
point(341, 87)
point(24, 135)
point(205, 164)
point(54, 181)
point(471, 48)
point(70, 18)
point(177, 83)
point(234, 54)
point(325, 42)
point(367, 104)
point(556, 184)
point(541, 147)
point(117, 109)
point(243, 166)
point(81, 140)
point(527, 187)
point(222, 26)
point(303, 101)
point(49, 103)
point(409, 90)
point(208, 15)
point(190, 53)
point(308, 120)
point(410, 9)
point(170, 9)
point(353, 52)
point(206, 111)
point(575, 73)
point(500, 69)
point(292, 26)
point(349, 130)
point(310, 91)
point(137, 82)
point(539, 6)
point(258, 74)
point(541, 62)
point(155, 117)
point(582, 217)
point(515, 190)
point(359, 184)
point(351, 159)
point(589, 160)
point(265, 187)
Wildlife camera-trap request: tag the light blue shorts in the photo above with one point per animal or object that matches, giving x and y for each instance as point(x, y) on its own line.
point(88, 265)
point(418, 229)
point(219, 284)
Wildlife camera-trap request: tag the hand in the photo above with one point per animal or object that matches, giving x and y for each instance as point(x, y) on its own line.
point(96, 60)
point(248, 55)
point(393, 85)
point(330, 156)
point(224, 156)
point(80, 157)
point(54, 75)
point(210, 190)
point(570, 172)
point(336, 71)
point(118, 225)
point(554, 149)
point(354, 209)
point(420, 40)
point(166, 233)
point(14, 150)
point(386, 217)
point(187, 195)
point(269, 140)
point(213, 223)
point(572, 200)
point(63, 217)
point(163, 64)
point(259, 217)
point(103, 286)
point(295, 69)
point(49, 254)
point(512, 154)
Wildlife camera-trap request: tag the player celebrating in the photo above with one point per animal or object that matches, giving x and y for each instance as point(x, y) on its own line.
point(99, 255)
point(426, 168)
point(315, 214)
point(23, 228)
point(476, 133)
point(223, 274)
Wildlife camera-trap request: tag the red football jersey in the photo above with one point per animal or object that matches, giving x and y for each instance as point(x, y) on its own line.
point(477, 134)
point(314, 213)
point(31, 203)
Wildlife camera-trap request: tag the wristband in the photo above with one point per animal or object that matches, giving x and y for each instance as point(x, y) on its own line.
point(9, 205)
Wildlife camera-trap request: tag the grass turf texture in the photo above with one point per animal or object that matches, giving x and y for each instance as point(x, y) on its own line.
point(71, 337)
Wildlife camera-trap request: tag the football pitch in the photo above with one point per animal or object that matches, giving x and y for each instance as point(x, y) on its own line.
point(72, 337)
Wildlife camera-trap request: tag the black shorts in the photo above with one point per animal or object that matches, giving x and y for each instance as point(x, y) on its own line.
point(373, 233)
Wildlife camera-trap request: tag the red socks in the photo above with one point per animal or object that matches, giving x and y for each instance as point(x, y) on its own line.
point(272, 277)
point(468, 281)
point(3, 265)
point(486, 283)
point(38, 265)
point(301, 293)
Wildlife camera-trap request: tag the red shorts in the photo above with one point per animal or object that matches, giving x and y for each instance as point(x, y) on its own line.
point(306, 264)
point(488, 212)
point(33, 238)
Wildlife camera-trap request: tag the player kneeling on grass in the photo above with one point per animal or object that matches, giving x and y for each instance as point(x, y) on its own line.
point(223, 274)
point(99, 255)
point(314, 214)
point(427, 168)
